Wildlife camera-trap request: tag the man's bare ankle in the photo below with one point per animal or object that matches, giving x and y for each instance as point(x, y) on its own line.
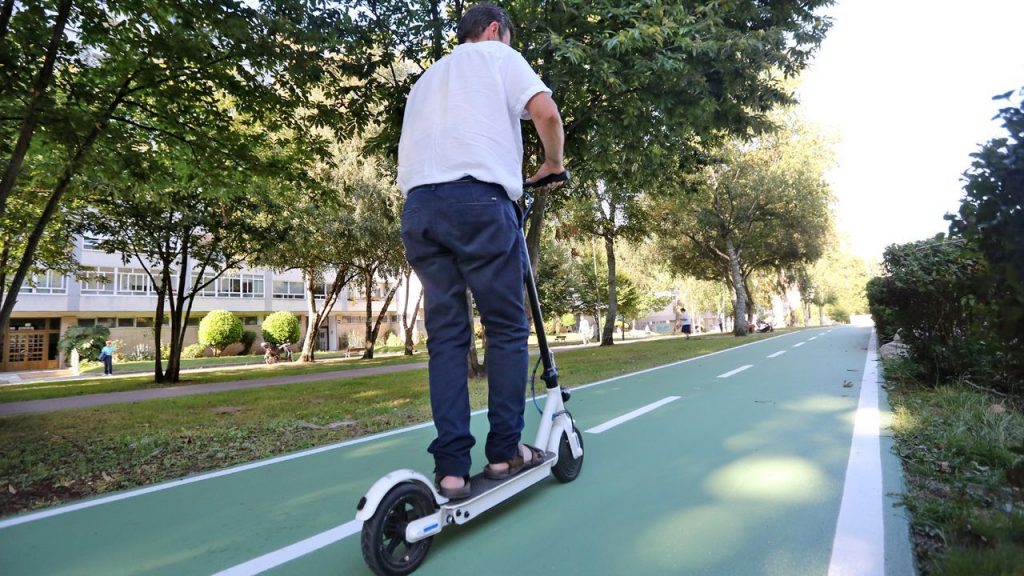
point(453, 482)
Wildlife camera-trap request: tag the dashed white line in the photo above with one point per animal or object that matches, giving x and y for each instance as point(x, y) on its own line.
point(293, 551)
point(627, 417)
point(736, 371)
point(779, 353)
point(798, 344)
point(811, 338)
point(859, 544)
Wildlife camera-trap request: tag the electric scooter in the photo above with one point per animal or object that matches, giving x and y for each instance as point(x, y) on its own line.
point(403, 511)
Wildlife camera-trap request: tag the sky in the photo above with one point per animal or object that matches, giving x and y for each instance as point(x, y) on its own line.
point(906, 87)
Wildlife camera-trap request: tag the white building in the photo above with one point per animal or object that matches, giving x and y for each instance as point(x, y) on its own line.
point(121, 297)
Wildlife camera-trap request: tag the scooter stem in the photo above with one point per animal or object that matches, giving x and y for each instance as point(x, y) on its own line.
point(550, 374)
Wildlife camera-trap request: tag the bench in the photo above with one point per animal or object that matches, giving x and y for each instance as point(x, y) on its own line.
point(560, 338)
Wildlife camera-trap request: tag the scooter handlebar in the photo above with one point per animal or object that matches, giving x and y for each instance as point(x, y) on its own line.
point(549, 179)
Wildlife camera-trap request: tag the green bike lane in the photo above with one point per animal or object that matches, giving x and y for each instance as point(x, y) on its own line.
point(737, 475)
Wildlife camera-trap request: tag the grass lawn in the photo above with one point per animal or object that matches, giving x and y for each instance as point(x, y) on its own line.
point(62, 456)
point(963, 457)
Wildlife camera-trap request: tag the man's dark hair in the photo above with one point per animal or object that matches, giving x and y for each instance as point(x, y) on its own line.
point(479, 17)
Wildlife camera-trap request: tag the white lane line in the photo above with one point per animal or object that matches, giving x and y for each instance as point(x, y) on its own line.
point(293, 551)
point(811, 338)
point(859, 544)
point(627, 417)
point(798, 344)
point(736, 371)
point(779, 353)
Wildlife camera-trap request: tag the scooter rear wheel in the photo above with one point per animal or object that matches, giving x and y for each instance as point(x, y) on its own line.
point(385, 549)
point(568, 468)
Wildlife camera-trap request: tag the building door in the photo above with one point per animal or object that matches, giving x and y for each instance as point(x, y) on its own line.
point(31, 344)
point(324, 340)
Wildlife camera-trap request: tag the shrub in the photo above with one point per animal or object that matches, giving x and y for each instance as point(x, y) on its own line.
point(248, 337)
point(281, 327)
point(219, 329)
point(392, 340)
point(87, 339)
point(926, 292)
point(193, 351)
point(568, 320)
point(140, 352)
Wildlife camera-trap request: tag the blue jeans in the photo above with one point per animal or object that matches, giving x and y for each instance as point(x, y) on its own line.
point(458, 235)
point(108, 364)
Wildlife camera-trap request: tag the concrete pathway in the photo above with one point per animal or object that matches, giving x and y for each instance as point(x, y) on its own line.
point(90, 400)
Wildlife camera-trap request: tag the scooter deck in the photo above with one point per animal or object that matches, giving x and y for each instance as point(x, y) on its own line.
point(480, 484)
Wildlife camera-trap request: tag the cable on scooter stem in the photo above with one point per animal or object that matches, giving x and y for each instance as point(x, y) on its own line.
point(533, 390)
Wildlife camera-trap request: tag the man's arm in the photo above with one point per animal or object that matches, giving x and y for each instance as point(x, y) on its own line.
point(548, 123)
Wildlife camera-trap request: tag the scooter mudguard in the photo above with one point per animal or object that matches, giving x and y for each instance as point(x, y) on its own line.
point(368, 503)
point(558, 427)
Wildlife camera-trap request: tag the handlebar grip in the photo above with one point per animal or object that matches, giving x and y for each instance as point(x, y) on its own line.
point(549, 179)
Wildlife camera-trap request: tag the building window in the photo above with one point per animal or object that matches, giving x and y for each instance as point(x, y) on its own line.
point(240, 286)
point(97, 280)
point(133, 281)
point(125, 322)
point(249, 320)
point(233, 285)
point(50, 282)
point(289, 289)
point(91, 243)
point(143, 322)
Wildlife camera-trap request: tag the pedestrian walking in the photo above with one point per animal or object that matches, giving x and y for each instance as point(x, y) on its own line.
point(685, 324)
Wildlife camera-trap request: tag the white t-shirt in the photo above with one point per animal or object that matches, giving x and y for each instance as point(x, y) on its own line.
point(685, 318)
point(463, 117)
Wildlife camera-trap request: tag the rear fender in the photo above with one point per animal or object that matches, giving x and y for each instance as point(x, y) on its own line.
point(368, 504)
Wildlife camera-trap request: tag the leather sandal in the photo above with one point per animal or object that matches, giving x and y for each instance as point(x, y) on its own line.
point(453, 493)
point(516, 464)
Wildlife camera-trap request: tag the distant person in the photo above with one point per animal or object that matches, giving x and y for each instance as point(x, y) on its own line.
point(685, 324)
point(585, 330)
point(107, 356)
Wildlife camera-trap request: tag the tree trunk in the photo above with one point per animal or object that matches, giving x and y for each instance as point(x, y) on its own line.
point(158, 368)
point(410, 327)
point(477, 369)
point(740, 309)
point(374, 331)
point(608, 334)
point(821, 314)
point(313, 320)
point(5, 18)
point(533, 234)
point(37, 94)
point(750, 300)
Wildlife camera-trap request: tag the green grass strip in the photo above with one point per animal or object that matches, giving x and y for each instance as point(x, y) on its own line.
point(963, 458)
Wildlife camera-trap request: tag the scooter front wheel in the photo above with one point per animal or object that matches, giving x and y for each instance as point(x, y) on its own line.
point(568, 468)
point(385, 548)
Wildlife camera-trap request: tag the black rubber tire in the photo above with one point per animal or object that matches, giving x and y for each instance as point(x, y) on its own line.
point(568, 468)
point(385, 549)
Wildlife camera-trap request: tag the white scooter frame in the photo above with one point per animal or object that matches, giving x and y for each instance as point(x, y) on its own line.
point(403, 510)
point(555, 433)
